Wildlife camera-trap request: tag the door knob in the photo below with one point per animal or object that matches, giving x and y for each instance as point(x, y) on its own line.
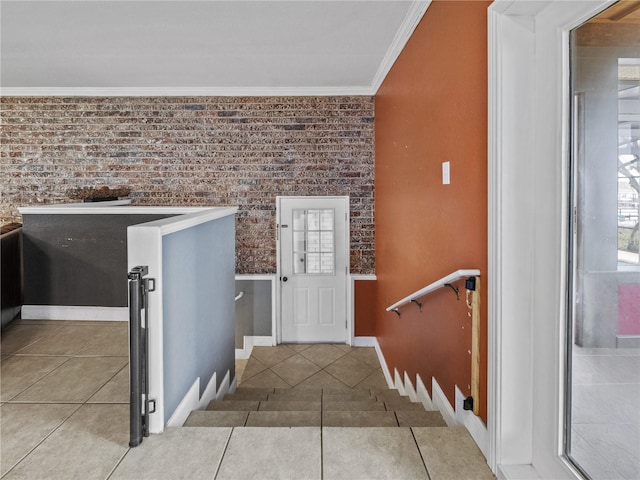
point(284, 279)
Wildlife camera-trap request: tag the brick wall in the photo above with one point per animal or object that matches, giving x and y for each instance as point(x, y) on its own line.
point(196, 151)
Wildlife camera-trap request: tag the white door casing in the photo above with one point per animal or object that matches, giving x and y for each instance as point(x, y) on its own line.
point(313, 261)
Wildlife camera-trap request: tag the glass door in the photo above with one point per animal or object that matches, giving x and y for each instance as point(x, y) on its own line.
point(603, 386)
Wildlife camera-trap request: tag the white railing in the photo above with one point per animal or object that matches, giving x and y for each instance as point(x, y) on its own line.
point(443, 282)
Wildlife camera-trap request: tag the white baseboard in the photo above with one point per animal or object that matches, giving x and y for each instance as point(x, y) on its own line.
point(474, 424)
point(224, 386)
point(365, 341)
point(398, 383)
point(63, 312)
point(253, 341)
point(517, 472)
point(189, 403)
point(208, 394)
point(422, 394)
point(441, 403)
point(383, 362)
point(409, 389)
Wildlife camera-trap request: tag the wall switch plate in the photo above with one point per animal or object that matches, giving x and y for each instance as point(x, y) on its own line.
point(446, 173)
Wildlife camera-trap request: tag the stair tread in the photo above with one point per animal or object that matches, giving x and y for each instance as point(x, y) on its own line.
point(348, 397)
point(290, 405)
point(414, 418)
point(233, 405)
point(284, 419)
point(394, 405)
point(209, 418)
point(295, 395)
point(354, 406)
point(246, 396)
point(337, 418)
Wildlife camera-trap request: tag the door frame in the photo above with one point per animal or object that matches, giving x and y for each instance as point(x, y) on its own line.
point(349, 293)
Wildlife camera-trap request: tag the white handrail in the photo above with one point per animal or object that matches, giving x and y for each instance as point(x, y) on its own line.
point(452, 277)
point(239, 296)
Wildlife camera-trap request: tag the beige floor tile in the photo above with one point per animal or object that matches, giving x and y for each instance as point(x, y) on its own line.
point(108, 341)
point(87, 446)
point(252, 368)
point(349, 370)
point(350, 396)
point(451, 453)
point(23, 427)
point(310, 395)
point(266, 379)
point(290, 405)
point(209, 418)
point(295, 369)
point(322, 380)
point(115, 391)
point(298, 347)
point(271, 356)
point(19, 336)
point(192, 453)
point(358, 419)
point(284, 419)
point(18, 373)
point(269, 453)
point(74, 381)
point(68, 340)
point(323, 355)
point(343, 347)
point(367, 355)
point(375, 380)
point(402, 405)
point(370, 453)
point(241, 365)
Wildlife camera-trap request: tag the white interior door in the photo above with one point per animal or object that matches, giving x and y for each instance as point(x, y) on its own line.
point(313, 268)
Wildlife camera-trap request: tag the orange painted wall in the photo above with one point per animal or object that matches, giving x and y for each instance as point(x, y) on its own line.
point(432, 108)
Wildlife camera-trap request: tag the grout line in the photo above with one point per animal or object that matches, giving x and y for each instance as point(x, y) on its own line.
point(39, 379)
point(118, 463)
point(420, 452)
point(224, 451)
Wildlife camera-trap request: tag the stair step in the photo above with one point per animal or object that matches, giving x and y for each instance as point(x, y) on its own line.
point(414, 418)
point(283, 419)
point(294, 391)
point(383, 395)
point(250, 390)
point(354, 406)
point(348, 397)
point(208, 418)
point(245, 395)
point(291, 406)
point(399, 405)
point(358, 419)
point(296, 395)
point(233, 405)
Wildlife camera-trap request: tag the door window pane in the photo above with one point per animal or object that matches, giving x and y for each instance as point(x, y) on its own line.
point(313, 241)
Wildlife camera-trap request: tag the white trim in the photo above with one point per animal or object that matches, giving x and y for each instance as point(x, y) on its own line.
point(250, 276)
point(188, 404)
point(517, 472)
point(412, 18)
point(182, 222)
point(474, 424)
point(409, 389)
point(108, 208)
point(365, 341)
point(209, 393)
point(74, 313)
point(383, 362)
point(225, 386)
point(358, 90)
point(250, 341)
point(422, 394)
point(398, 384)
point(441, 403)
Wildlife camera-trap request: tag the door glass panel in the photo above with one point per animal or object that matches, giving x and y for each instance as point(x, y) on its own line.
point(313, 245)
point(602, 428)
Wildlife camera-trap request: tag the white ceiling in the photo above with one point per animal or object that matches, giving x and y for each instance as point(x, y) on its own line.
point(202, 47)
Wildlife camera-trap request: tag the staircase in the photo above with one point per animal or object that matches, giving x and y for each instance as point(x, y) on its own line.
point(279, 407)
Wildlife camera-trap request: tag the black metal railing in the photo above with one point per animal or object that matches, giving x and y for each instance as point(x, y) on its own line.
point(139, 288)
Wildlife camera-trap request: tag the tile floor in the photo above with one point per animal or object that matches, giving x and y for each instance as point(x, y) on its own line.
point(64, 415)
point(605, 413)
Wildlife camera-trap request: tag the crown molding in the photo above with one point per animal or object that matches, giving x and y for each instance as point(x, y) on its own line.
point(415, 13)
point(186, 91)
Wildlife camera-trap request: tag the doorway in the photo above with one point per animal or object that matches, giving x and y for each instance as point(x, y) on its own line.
point(313, 268)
